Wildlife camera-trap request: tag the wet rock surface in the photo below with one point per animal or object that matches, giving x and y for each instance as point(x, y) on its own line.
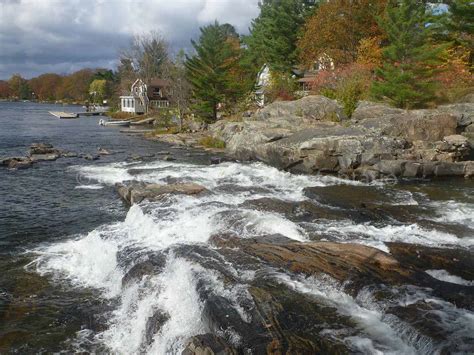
point(134, 192)
point(38, 152)
point(312, 136)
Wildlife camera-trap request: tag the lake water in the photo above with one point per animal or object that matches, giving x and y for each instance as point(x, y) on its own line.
point(70, 248)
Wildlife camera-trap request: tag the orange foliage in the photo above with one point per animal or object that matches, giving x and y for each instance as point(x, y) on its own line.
point(4, 89)
point(329, 80)
point(369, 52)
point(46, 86)
point(336, 29)
point(454, 76)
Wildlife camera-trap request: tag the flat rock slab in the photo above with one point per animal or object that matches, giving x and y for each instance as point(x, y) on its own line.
point(137, 192)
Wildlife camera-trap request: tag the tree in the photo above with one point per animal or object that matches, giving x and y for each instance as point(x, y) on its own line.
point(19, 87)
point(45, 86)
point(209, 69)
point(4, 90)
point(406, 78)
point(460, 25)
point(146, 57)
point(76, 85)
point(336, 29)
point(98, 90)
point(274, 33)
point(179, 90)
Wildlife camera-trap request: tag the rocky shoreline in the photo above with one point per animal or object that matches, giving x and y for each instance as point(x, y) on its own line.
point(312, 135)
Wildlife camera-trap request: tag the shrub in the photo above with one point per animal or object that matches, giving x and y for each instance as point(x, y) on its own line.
point(282, 87)
point(348, 84)
point(165, 130)
point(211, 142)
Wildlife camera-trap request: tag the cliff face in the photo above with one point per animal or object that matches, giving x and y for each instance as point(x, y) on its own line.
point(311, 135)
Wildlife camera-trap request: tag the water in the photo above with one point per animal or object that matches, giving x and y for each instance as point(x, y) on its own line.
point(84, 272)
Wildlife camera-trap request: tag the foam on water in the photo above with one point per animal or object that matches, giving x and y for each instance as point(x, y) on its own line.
point(445, 276)
point(172, 293)
point(375, 236)
point(89, 187)
point(91, 260)
point(381, 337)
point(455, 213)
point(285, 185)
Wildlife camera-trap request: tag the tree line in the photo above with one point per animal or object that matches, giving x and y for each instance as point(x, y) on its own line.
point(409, 53)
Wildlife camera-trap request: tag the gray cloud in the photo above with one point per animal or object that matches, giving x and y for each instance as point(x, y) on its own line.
point(38, 36)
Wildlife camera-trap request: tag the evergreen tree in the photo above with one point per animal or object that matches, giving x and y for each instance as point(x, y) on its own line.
point(406, 76)
point(209, 70)
point(274, 33)
point(460, 25)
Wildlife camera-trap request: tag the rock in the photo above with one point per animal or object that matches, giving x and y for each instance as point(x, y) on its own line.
point(381, 140)
point(137, 192)
point(154, 324)
point(313, 108)
point(44, 157)
point(103, 151)
point(456, 140)
point(219, 160)
point(208, 344)
point(469, 169)
point(420, 125)
point(449, 169)
point(169, 158)
point(413, 170)
point(391, 167)
point(339, 260)
point(69, 154)
point(371, 110)
point(469, 98)
point(17, 162)
point(42, 148)
point(153, 265)
point(90, 157)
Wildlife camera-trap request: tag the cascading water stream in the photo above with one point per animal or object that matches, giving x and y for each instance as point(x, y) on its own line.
point(177, 228)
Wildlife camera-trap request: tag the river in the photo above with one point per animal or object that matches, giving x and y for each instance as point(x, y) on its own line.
point(81, 271)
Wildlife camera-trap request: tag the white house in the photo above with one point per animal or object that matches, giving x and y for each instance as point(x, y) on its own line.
point(305, 78)
point(143, 97)
point(137, 101)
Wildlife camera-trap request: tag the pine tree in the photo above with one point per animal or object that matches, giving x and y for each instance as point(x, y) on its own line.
point(209, 70)
point(460, 24)
point(406, 76)
point(274, 33)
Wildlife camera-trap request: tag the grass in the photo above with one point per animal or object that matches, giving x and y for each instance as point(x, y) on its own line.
point(119, 115)
point(211, 142)
point(166, 130)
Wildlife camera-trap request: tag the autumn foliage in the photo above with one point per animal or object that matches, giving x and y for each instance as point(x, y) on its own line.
point(337, 28)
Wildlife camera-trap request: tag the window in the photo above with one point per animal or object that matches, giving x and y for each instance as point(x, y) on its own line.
point(133, 103)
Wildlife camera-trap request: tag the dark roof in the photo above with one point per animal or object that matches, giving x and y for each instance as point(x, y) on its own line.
point(159, 83)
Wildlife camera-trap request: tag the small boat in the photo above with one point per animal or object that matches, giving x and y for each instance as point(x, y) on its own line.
point(114, 123)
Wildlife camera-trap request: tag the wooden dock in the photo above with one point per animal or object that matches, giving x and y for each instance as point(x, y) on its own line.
point(92, 113)
point(64, 115)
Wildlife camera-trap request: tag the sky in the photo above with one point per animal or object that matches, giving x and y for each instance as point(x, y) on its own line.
point(62, 36)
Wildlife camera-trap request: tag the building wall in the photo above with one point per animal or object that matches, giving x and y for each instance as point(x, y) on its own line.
point(131, 104)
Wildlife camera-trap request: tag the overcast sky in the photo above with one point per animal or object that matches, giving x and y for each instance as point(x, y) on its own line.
point(61, 36)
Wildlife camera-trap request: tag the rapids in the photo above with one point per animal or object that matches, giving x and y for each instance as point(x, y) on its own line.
point(173, 228)
point(261, 261)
